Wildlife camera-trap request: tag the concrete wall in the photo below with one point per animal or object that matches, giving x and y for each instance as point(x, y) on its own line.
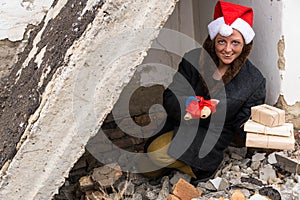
point(291, 33)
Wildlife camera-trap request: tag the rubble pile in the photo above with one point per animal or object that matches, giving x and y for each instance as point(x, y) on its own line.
point(245, 174)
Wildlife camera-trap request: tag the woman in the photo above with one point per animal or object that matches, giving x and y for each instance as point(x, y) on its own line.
point(196, 146)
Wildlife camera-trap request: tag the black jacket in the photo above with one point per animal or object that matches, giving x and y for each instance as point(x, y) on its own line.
point(200, 143)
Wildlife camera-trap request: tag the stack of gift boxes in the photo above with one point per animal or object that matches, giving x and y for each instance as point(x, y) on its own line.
point(267, 129)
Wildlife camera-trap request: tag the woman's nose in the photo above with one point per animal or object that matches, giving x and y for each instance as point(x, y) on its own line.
point(228, 48)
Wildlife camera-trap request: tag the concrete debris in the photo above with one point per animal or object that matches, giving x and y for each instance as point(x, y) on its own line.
point(258, 197)
point(254, 179)
point(219, 183)
point(258, 157)
point(86, 183)
point(272, 158)
point(216, 182)
point(267, 173)
point(178, 175)
point(107, 175)
point(237, 153)
point(165, 189)
point(290, 164)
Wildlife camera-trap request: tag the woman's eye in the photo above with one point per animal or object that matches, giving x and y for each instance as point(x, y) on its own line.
point(221, 42)
point(236, 43)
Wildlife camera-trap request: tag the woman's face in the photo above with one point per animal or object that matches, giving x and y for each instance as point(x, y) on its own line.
point(229, 48)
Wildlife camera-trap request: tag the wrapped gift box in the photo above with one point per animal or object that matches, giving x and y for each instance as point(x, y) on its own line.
point(268, 115)
point(255, 127)
point(259, 140)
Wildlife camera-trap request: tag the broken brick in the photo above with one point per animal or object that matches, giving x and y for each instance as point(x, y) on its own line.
point(237, 195)
point(172, 197)
point(185, 191)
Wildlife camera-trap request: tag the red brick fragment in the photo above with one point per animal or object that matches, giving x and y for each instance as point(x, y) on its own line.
point(186, 191)
point(172, 197)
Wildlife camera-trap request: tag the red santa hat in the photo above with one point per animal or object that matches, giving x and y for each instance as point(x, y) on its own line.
point(228, 16)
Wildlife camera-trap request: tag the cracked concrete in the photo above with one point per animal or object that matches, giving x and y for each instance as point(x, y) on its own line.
point(83, 85)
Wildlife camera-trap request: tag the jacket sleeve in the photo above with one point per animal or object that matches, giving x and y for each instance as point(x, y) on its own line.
point(175, 95)
point(257, 98)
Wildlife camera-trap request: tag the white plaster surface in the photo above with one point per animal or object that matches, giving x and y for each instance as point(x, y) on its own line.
point(81, 94)
point(268, 28)
point(15, 15)
point(291, 32)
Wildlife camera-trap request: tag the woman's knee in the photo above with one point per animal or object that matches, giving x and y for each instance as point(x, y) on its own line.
point(161, 142)
point(158, 150)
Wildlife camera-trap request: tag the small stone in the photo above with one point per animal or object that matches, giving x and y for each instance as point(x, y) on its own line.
point(249, 170)
point(86, 183)
point(107, 175)
point(209, 186)
point(237, 153)
point(126, 187)
point(245, 162)
point(165, 190)
point(257, 197)
point(237, 195)
point(258, 157)
point(235, 168)
point(151, 195)
point(236, 156)
point(137, 197)
point(216, 182)
point(266, 173)
point(95, 195)
point(255, 165)
point(226, 168)
point(178, 175)
point(235, 175)
point(272, 158)
point(224, 185)
point(270, 192)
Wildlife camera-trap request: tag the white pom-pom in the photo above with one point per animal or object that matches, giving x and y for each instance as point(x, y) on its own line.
point(225, 30)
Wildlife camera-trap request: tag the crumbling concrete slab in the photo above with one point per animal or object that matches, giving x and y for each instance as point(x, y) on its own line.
point(81, 94)
point(288, 164)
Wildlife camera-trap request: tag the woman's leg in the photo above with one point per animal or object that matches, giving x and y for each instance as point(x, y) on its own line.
point(148, 169)
point(158, 152)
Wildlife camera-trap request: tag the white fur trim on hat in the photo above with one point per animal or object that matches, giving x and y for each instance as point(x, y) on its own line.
point(244, 28)
point(214, 27)
point(239, 24)
point(225, 30)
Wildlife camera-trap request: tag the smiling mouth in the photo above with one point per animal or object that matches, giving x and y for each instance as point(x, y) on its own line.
point(227, 55)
